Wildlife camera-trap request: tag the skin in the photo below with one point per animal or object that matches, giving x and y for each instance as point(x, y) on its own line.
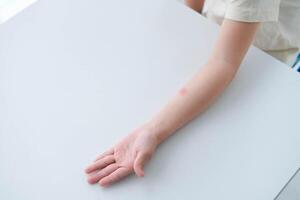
point(197, 5)
point(133, 151)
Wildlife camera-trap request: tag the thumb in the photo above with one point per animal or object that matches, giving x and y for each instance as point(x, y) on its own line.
point(140, 162)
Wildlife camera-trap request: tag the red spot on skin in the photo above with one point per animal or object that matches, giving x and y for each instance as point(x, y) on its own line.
point(183, 91)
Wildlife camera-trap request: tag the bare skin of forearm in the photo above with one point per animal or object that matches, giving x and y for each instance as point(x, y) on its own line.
point(199, 92)
point(191, 99)
point(196, 5)
point(132, 152)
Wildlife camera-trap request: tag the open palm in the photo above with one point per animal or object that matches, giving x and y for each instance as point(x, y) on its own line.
point(129, 155)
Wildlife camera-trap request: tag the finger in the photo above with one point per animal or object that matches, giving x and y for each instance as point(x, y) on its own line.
point(88, 175)
point(106, 153)
point(95, 177)
point(100, 164)
point(140, 161)
point(115, 176)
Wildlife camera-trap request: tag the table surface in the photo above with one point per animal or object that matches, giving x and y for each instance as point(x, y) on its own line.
point(291, 190)
point(75, 76)
point(9, 8)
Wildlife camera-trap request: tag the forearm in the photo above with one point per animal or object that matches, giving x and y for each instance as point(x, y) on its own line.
point(199, 92)
point(193, 98)
point(134, 150)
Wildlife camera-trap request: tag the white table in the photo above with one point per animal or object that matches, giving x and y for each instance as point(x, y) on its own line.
point(291, 190)
point(75, 76)
point(9, 8)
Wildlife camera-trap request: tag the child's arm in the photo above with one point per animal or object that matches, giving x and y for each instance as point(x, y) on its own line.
point(133, 151)
point(231, 46)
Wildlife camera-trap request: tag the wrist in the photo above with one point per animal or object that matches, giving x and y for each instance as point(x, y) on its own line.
point(157, 130)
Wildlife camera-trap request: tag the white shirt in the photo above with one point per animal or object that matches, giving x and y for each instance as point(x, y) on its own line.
point(279, 32)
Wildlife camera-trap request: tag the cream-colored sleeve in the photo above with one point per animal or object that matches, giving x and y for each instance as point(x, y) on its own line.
point(252, 10)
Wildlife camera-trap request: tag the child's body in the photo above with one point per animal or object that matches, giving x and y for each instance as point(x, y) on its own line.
point(242, 22)
point(279, 31)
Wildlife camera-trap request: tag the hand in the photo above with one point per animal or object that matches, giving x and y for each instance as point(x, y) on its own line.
point(129, 155)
